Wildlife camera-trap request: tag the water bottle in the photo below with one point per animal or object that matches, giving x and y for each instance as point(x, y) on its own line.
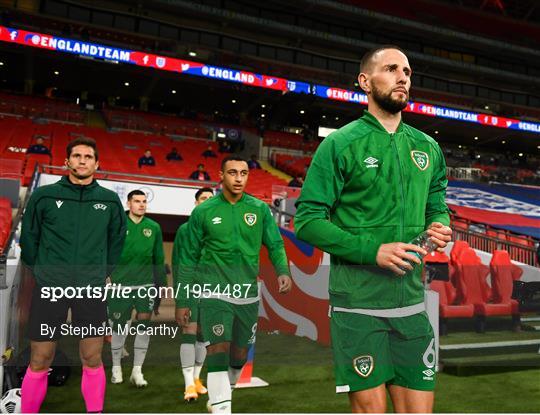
point(423, 241)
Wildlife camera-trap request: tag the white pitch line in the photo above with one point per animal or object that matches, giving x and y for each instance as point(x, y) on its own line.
point(490, 344)
point(527, 319)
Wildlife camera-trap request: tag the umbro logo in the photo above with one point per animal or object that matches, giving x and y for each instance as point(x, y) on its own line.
point(101, 206)
point(216, 220)
point(371, 162)
point(428, 374)
point(59, 203)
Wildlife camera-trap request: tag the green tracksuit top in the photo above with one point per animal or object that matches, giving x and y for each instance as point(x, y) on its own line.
point(222, 245)
point(366, 187)
point(179, 242)
point(72, 235)
point(142, 261)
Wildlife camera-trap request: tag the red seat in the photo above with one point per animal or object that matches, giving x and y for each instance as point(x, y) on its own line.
point(6, 216)
point(461, 225)
point(5, 226)
point(503, 275)
point(447, 297)
point(474, 289)
point(4, 235)
point(471, 278)
point(11, 168)
point(31, 161)
point(5, 203)
point(457, 249)
point(437, 257)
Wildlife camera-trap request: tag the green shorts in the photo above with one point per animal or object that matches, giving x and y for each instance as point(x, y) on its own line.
point(226, 322)
point(119, 309)
point(371, 351)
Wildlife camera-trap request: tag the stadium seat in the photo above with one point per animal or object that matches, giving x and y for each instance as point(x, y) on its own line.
point(447, 308)
point(5, 226)
point(460, 225)
point(457, 248)
point(5, 216)
point(5, 203)
point(496, 234)
point(447, 294)
point(10, 168)
point(473, 289)
point(4, 235)
point(31, 161)
point(438, 261)
point(503, 275)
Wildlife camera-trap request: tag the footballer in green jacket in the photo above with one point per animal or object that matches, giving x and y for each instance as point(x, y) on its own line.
point(192, 348)
point(219, 263)
point(141, 267)
point(373, 186)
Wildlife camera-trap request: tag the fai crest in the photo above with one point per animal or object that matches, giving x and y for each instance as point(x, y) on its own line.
point(218, 329)
point(250, 218)
point(421, 159)
point(363, 365)
point(147, 232)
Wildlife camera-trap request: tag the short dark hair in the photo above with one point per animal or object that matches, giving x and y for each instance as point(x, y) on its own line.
point(200, 165)
point(232, 157)
point(136, 192)
point(82, 141)
point(202, 190)
point(368, 56)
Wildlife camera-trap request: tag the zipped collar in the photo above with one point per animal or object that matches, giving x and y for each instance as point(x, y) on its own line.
point(128, 218)
point(223, 198)
point(374, 122)
point(64, 181)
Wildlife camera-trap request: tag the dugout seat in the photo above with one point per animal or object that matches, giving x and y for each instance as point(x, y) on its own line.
point(5, 203)
point(503, 275)
point(447, 308)
point(5, 221)
point(472, 288)
point(456, 251)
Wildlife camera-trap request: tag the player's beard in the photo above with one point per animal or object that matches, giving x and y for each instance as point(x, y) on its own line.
point(387, 103)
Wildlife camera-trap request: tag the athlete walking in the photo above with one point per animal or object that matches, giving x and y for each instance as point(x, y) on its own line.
point(141, 266)
point(374, 185)
point(220, 261)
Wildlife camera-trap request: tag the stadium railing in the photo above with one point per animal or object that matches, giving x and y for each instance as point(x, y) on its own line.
point(523, 251)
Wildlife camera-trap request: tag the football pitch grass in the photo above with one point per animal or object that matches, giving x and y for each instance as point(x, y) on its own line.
point(301, 380)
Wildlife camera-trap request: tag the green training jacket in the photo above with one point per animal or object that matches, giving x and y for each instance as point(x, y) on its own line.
point(222, 245)
point(142, 261)
point(179, 242)
point(366, 187)
point(72, 235)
